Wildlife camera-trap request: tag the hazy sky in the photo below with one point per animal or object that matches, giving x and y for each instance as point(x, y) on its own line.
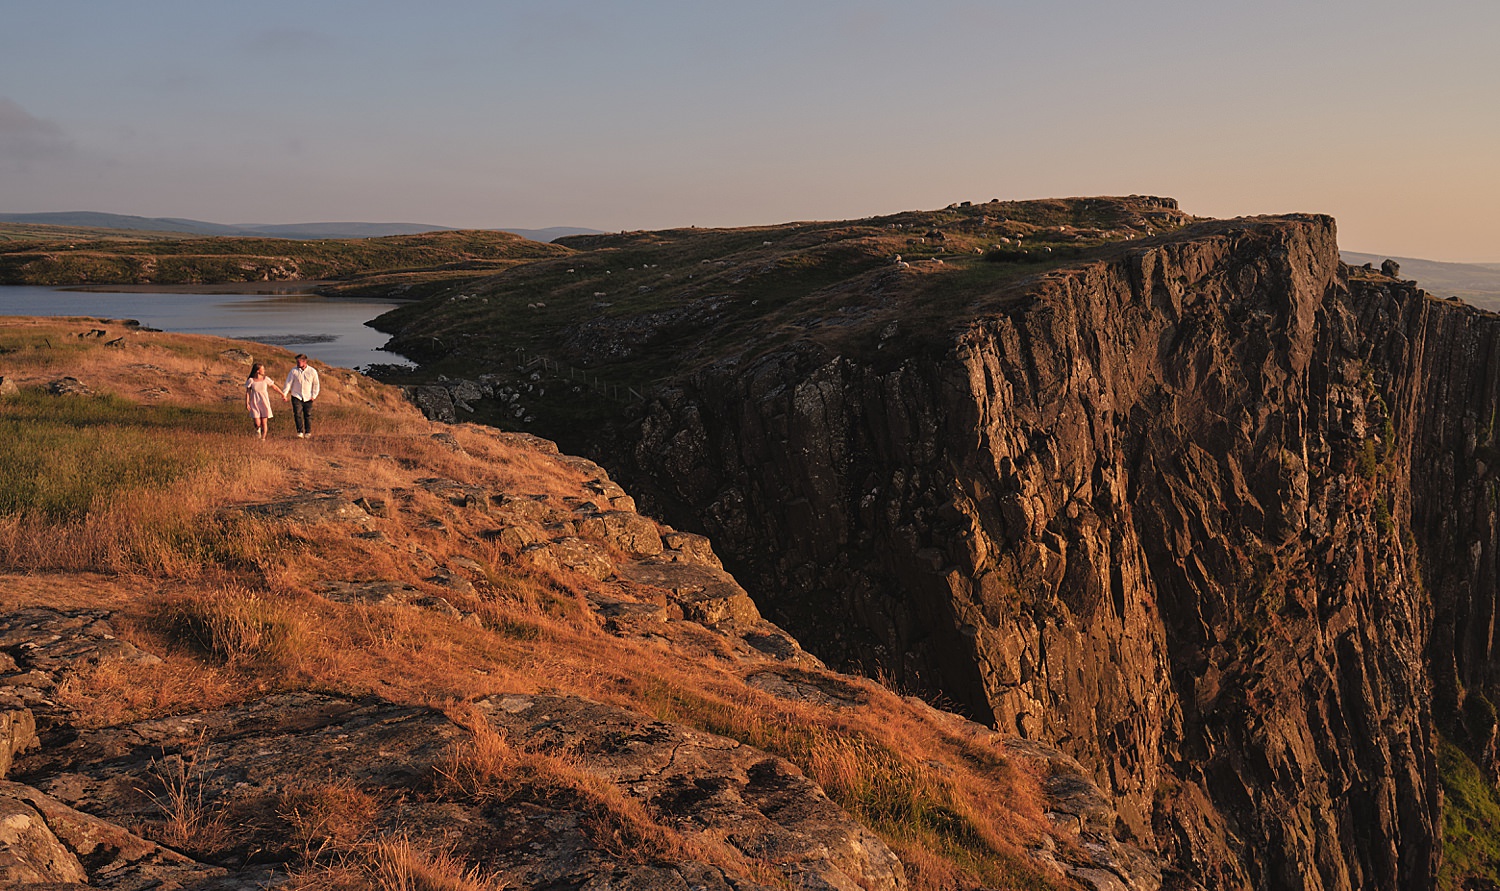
point(619, 115)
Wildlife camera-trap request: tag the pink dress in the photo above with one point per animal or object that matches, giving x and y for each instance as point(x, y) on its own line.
point(260, 397)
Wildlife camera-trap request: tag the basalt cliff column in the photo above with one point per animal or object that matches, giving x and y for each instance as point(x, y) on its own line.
point(1447, 380)
point(1153, 511)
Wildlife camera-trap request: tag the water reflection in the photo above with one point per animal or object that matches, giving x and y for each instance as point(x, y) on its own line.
point(327, 329)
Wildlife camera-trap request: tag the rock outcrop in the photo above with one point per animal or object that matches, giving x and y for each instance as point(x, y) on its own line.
point(1170, 511)
point(250, 761)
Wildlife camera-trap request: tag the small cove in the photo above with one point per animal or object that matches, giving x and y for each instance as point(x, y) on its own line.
point(331, 330)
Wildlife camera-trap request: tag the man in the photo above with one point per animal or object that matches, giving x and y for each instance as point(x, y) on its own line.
point(302, 388)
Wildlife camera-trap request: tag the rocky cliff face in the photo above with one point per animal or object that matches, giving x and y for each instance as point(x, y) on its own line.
point(1171, 512)
point(1443, 362)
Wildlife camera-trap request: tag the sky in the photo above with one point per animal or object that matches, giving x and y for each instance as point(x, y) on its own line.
point(656, 114)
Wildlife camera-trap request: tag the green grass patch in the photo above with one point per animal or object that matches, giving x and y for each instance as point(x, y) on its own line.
point(1471, 822)
point(69, 455)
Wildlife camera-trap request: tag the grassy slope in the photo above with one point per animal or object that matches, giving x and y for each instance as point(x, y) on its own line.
point(14, 234)
point(45, 255)
point(118, 500)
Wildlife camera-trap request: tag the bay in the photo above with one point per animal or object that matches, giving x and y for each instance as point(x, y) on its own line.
point(329, 329)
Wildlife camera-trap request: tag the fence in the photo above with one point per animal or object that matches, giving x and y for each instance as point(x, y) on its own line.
point(596, 384)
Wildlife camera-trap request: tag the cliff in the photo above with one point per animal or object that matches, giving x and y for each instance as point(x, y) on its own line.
point(1151, 513)
point(1189, 500)
point(1442, 361)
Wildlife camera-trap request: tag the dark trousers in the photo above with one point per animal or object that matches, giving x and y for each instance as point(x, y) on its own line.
point(302, 414)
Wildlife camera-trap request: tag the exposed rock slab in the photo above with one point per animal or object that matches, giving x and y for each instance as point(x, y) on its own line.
point(704, 783)
point(62, 821)
point(314, 507)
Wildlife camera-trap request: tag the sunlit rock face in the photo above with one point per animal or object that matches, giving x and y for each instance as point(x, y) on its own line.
point(1215, 515)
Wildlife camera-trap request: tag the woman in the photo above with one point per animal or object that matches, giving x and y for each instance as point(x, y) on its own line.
point(258, 398)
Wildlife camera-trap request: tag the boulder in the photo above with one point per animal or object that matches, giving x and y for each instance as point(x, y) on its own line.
point(329, 506)
point(705, 595)
point(433, 401)
point(29, 852)
point(626, 530)
point(69, 386)
point(17, 734)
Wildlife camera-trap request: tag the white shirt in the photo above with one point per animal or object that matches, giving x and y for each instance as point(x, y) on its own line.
point(302, 383)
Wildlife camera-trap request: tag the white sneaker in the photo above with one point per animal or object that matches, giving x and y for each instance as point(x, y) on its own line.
point(301, 435)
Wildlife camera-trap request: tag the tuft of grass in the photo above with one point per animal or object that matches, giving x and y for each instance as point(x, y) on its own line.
point(393, 863)
point(327, 817)
point(118, 691)
point(399, 865)
point(239, 627)
point(177, 791)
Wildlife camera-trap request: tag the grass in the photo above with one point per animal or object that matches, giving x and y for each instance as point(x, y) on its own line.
point(392, 864)
point(1471, 823)
point(883, 771)
point(238, 627)
point(188, 823)
point(487, 768)
point(73, 456)
point(136, 509)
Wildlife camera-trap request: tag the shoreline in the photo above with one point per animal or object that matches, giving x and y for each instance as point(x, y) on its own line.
point(276, 289)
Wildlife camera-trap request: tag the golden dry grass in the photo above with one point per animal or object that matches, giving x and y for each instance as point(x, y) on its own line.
point(391, 864)
point(234, 606)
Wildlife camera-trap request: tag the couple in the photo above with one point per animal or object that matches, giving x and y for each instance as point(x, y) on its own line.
point(301, 388)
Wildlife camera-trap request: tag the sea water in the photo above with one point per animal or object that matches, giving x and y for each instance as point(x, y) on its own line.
point(331, 330)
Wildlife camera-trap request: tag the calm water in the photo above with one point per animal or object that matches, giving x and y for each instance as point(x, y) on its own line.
point(329, 330)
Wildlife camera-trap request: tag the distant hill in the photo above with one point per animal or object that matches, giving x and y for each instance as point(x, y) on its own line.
point(389, 265)
point(296, 231)
point(1474, 283)
point(552, 233)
